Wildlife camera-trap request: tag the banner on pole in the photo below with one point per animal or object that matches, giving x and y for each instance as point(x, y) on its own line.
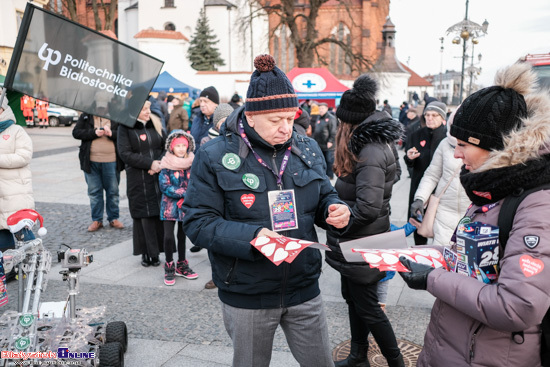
point(65, 63)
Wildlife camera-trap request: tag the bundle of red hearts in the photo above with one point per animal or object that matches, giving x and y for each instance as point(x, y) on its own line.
point(388, 260)
point(279, 249)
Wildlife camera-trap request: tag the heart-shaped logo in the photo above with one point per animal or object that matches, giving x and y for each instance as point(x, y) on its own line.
point(177, 174)
point(260, 241)
point(143, 137)
point(280, 254)
point(248, 200)
point(268, 249)
point(6, 137)
point(292, 246)
point(530, 266)
point(423, 143)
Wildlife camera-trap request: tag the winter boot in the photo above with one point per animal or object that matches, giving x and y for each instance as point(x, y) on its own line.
point(357, 357)
point(396, 362)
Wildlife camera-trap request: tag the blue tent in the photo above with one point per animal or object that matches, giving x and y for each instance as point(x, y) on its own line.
point(167, 83)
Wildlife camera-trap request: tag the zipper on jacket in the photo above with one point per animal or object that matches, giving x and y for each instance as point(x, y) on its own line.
point(230, 273)
point(473, 342)
point(142, 173)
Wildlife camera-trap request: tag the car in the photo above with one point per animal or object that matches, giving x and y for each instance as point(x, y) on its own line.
point(541, 66)
point(58, 115)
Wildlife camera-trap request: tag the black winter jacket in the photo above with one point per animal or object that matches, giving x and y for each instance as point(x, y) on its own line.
point(426, 141)
point(84, 130)
point(367, 191)
point(217, 219)
point(325, 131)
point(139, 147)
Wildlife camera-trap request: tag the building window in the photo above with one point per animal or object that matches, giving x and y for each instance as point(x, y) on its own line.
point(339, 61)
point(284, 51)
point(169, 4)
point(169, 26)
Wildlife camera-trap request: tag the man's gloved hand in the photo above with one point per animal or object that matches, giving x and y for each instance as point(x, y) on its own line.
point(418, 277)
point(417, 206)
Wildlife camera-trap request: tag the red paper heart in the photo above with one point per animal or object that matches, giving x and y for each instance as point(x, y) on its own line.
point(530, 266)
point(248, 200)
point(423, 143)
point(143, 137)
point(176, 174)
point(6, 137)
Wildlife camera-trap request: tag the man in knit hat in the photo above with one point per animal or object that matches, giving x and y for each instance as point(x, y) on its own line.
point(238, 184)
point(209, 100)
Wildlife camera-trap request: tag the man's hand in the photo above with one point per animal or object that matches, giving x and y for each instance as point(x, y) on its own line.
point(338, 215)
point(99, 133)
point(267, 233)
point(155, 166)
point(418, 277)
point(329, 145)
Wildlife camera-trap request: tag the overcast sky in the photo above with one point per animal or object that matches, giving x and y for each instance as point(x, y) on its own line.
point(516, 28)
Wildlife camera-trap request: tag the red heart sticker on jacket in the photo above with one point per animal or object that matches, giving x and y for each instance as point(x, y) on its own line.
point(248, 200)
point(423, 143)
point(6, 137)
point(530, 266)
point(176, 174)
point(143, 137)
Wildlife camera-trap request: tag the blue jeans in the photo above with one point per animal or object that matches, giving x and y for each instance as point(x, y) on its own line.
point(329, 158)
point(104, 176)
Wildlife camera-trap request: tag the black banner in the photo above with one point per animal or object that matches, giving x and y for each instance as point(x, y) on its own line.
point(65, 63)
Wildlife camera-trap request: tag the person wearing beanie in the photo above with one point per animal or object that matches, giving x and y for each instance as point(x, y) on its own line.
point(325, 136)
point(173, 181)
point(236, 101)
point(301, 122)
point(494, 318)
point(366, 166)
point(15, 172)
point(220, 114)
point(442, 179)
point(241, 184)
point(421, 147)
point(208, 100)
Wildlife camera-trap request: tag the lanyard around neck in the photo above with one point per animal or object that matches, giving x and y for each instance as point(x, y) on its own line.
point(284, 163)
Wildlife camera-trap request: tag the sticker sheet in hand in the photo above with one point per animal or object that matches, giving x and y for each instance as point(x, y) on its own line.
point(279, 249)
point(388, 260)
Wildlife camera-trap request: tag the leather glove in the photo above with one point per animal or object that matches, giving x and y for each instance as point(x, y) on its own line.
point(418, 277)
point(417, 206)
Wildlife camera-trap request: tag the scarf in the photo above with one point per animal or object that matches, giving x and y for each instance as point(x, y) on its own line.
point(170, 161)
point(493, 185)
point(5, 124)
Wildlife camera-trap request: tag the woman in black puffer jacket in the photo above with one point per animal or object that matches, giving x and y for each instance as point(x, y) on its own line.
point(366, 167)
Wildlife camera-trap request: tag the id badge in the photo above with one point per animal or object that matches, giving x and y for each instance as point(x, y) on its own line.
point(282, 206)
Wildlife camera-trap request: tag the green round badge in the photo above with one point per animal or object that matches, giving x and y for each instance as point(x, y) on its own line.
point(22, 343)
point(465, 220)
point(231, 161)
point(251, 180)
point(26, 320)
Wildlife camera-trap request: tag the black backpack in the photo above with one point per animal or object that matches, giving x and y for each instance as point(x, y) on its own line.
point(505, 222)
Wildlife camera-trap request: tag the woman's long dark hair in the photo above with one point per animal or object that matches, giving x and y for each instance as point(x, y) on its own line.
point(344, 159)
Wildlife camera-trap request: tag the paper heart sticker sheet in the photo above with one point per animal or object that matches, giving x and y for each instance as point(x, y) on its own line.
point(279, 249)
point(388, 260)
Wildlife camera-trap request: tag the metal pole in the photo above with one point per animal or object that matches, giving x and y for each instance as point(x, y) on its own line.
point(471, 71)
point(460, 97)
point(441, 70)
point(2, 96)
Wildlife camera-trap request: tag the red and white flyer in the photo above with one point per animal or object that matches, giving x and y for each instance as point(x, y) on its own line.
point(279, 249)
point(388, 260)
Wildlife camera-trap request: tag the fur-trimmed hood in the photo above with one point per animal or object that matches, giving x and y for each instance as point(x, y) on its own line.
point(377, 128)
point(532, 140)
point(177, 134)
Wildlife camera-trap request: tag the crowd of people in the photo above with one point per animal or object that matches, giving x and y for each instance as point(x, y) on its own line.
point(213, 172)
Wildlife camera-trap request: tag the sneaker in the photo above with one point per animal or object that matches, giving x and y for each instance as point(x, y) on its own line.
point(169, 273)
point(195, 249)
point(116, 224)
point(183, 270)
point(95, 226)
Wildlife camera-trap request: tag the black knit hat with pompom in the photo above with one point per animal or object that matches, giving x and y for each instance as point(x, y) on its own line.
point(269, 89)
point(359, 102)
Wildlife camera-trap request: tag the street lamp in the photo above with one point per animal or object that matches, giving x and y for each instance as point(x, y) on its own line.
point(465, 31)
point(473, 70)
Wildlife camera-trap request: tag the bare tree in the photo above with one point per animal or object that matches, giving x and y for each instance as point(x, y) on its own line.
point(301, 20)
point(70, 5)
point(97, 20)
point(109, 12)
